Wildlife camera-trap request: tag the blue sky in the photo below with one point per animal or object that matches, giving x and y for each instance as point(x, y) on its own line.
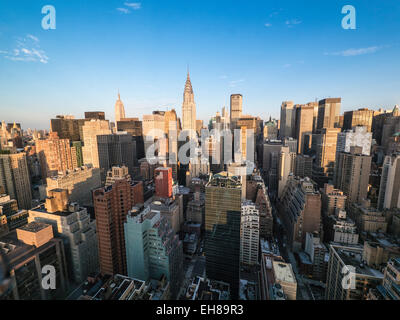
point(269, 51)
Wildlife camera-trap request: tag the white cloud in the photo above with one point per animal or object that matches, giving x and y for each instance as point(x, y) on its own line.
point(27, 49)
point(268, 25)
point(134, 5)
point(32, 38)
point(123, 10)
point(287, 65)
point(234, 83)
point(293, 22)
point(354, 52)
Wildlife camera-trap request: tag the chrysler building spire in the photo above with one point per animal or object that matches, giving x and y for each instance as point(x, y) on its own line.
point(188, 108)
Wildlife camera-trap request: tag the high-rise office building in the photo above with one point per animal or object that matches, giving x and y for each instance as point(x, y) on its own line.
point(67, 127)
point(73, 225)
point(116, 150)
point(163, 179)
point(249, 233)
point(352, 174)
point(79, 182)
point(288, 120)
point(304, 125)
point(189, 109)
point(236, 107)
point(111, 206)
point(360, 117)
point(14, 178)
point(55, 155)
point(96, 115)
point(135, 128)
point(222, 244)
point(328, 113)
point(385, 124)
point(90, 131)
point(276, 164)
point(153, 249)
point(154, 132)
point(304, 164)
point(264, 207)
point(389, 191)
point(324, 145)
point(300, 210)
point(119, 110)
point(286, 167)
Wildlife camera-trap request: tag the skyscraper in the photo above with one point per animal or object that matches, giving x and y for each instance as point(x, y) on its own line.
point(352, 174)
point(304, 125)
point(90, 131)
point(389, 191)
point(119, 110)
point(14, 178)
point(236, 106)
point(55, 155)
point(67, 127)
point(111, 206)
point(189, 108)
point(300, 210)
point(222, 244)
point(324, 145)
point(360, 117)
point(79, 182)
point(249, 233)
point(288, 117)
point(163, 179)
point(116, 150)
point(153, 249)
point(328, 113)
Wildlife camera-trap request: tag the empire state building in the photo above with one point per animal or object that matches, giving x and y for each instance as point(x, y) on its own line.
point(189, 109)
point(119, 110)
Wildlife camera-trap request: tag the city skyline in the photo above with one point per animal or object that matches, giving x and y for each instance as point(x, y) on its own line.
point(142, 50)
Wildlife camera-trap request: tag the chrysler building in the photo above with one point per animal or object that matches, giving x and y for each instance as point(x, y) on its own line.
point(188, 108)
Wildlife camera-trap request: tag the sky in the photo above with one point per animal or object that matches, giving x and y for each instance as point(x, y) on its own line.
point(269, 51)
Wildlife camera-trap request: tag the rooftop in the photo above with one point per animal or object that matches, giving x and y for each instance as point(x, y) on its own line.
point(34, 227)
point(283, 272)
